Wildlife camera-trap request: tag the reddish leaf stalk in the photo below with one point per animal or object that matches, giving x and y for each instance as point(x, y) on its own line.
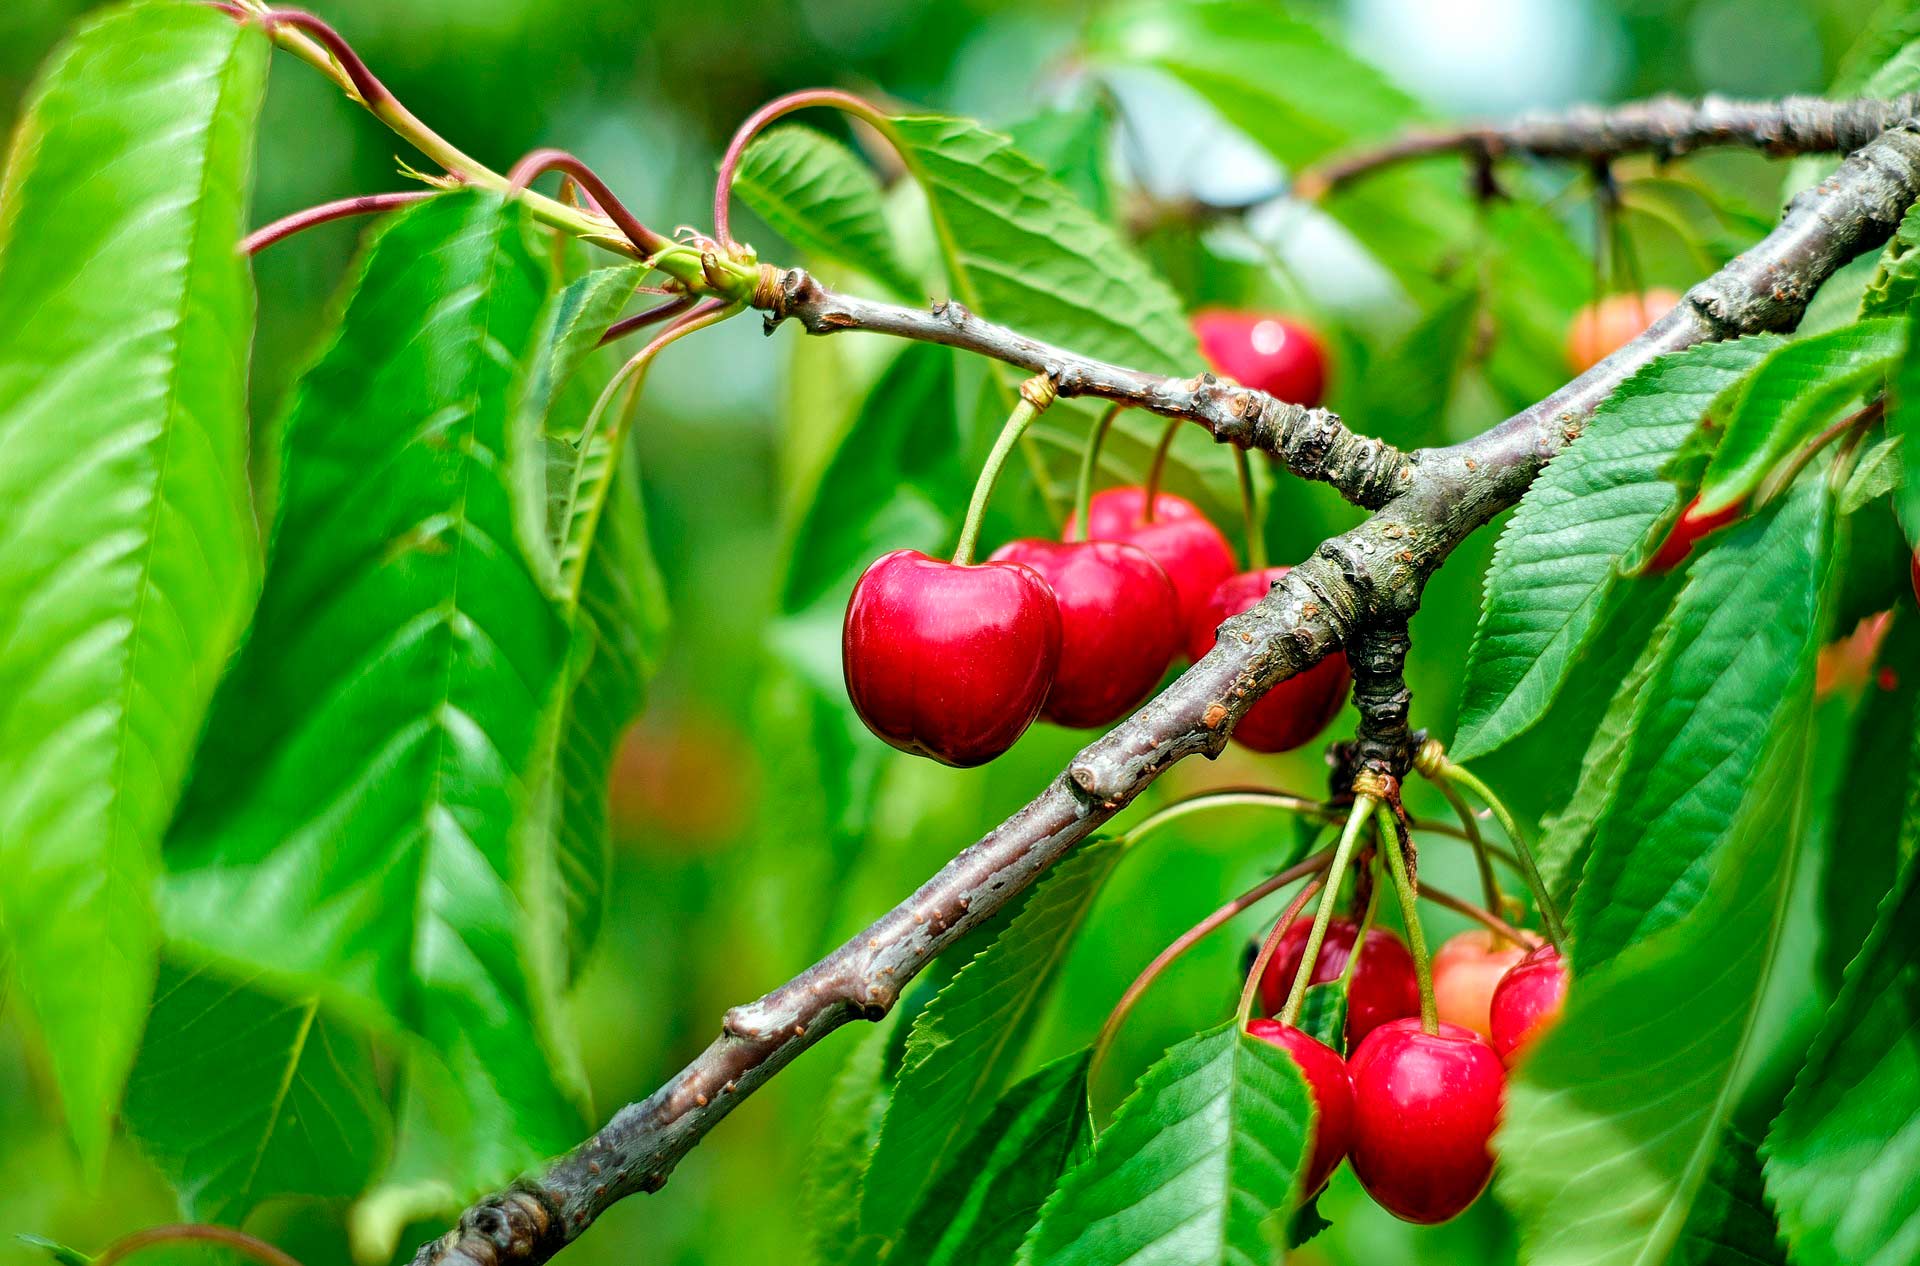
point(365, 204)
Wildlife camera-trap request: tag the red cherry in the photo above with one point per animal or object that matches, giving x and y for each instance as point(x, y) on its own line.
point(1193, 553)
point(1528, 1001)
point(1466, 971)
point(1384, 987)
point(1425, 1106)
point(1601, 329)
point(946, 660)
point(1267, 352)
point(1326, 1075)
point(1119, 625)
point(1687, 529)
point(1295, 710)
point(1915, 569)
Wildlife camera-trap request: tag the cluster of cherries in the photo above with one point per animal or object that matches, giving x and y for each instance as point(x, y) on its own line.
point(1414, 1111)
point(954, 660)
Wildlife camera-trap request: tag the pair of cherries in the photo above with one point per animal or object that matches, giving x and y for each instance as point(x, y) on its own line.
point(1414, 1111)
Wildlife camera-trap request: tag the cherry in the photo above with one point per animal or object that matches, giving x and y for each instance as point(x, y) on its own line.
point(1914, 568)
point(1688, 529)
point(1601, 329)
point(1425, 1106)
point(1119, 625)
point(949, 660)
point(1298, 708)
point(1528, 1001)
point(1383, 988)
point(1267, 352)
point(1466, 971)
point(1326, 1076)
point(1193, 553)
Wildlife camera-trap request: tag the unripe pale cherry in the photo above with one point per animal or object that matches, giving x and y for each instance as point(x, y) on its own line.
point(1466, 971)
point(1119, 625)
point(1265, 351)
point(1293, 712)
point(949, 660)
point(1528, 1002)
point(1603, 328)
point(1383, 987)
point(1193, 552)
point(1326, 1077)
point(1425, 1106)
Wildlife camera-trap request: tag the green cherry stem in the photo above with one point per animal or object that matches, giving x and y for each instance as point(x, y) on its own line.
point(1158, 466)
point(1224, 799)
point(1489, 882)
point(1089, 467)
point(1549, 914)
point(1036, 393)
point(1394, 846)
point(1363, 807)
point(1250, 511)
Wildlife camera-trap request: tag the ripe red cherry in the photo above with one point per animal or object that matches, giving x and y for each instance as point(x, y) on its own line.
point(1119, 625)
point(1915, 569)
point(946, 660)
point(1193, 553)
point(1528, 1001)
point(1326, 1075)
point(1298, 708)
point(1425, 1106)
point(1688, 529)
point(1466, 971)
point(1601, 329)
point(1266, 352)
point(1384, 987)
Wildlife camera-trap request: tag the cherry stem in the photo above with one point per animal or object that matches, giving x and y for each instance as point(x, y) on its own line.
point(1227, 798)
point(640, 320)
point(1549, 914)
point(1489, 882)
point(1782, 479)
point(858, 107)
point(327, 212)
point(1250, 512)
point(1363, 807)
point(1191, 937)
point(542, 161)
point(1393, 844)
point(1157, 466)
point(252, 1246)
point(1089, 466)
point(1258, 970)
point(1486, 918)
point(1036, 393)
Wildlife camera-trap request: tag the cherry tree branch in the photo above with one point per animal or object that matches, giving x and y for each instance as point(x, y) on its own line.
point(1664, 126)
point(1370, 577)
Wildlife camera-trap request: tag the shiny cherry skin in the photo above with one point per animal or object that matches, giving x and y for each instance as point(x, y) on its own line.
point(1384, 987)
point(1265, 351)
point(1601, 329)
point(1425, 1106)
point(1466, 971)
point(1528, 1002)
point(1686, 533)
point(1290, 714)
point(1119, 625)
point(1326, 1076)
point(1193, 553)
point(949, 661)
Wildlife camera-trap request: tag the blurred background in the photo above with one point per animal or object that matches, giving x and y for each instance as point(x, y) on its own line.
point(756, 825)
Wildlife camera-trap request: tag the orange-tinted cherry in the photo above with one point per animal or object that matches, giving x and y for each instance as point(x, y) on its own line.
point(1383, 988)
point(1119, 625)
point(1466, 971)
point(1425, 1106)
point(1686, 532)
point(1291, 713)
point(949, 660)
point(1601, 329)
point(1326, 1077)
point(1193, 553)
point(1269, 353)
point(1528, 1001)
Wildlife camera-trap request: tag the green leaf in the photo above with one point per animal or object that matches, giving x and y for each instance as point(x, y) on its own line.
point(239, 1095)
point(128, 551)
point(1903, 422)
point(357, 821)
point(1739, 654)
point(1896, 281)
point(1789, 398)
point(1072, 145)
point(1201, 1164)
point(59, 1252)
point(964, 1046)
point(1323, 1013)
point(821, 197)
point(856, 1103)
point(1876, 474)
point(986, 1201)
point(1557, 566)
point(1730, 1223)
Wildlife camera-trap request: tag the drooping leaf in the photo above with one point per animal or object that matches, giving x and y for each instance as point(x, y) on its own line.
point(128, 549)
point(986, 1201)
point(379, 738)
point(1789, 398)
point(1558, 562)
point(1200, 1166)
point(240, 1095)
point(837, 1168)
point(821, 197)
point(1739, 654)
point(964, 1046)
